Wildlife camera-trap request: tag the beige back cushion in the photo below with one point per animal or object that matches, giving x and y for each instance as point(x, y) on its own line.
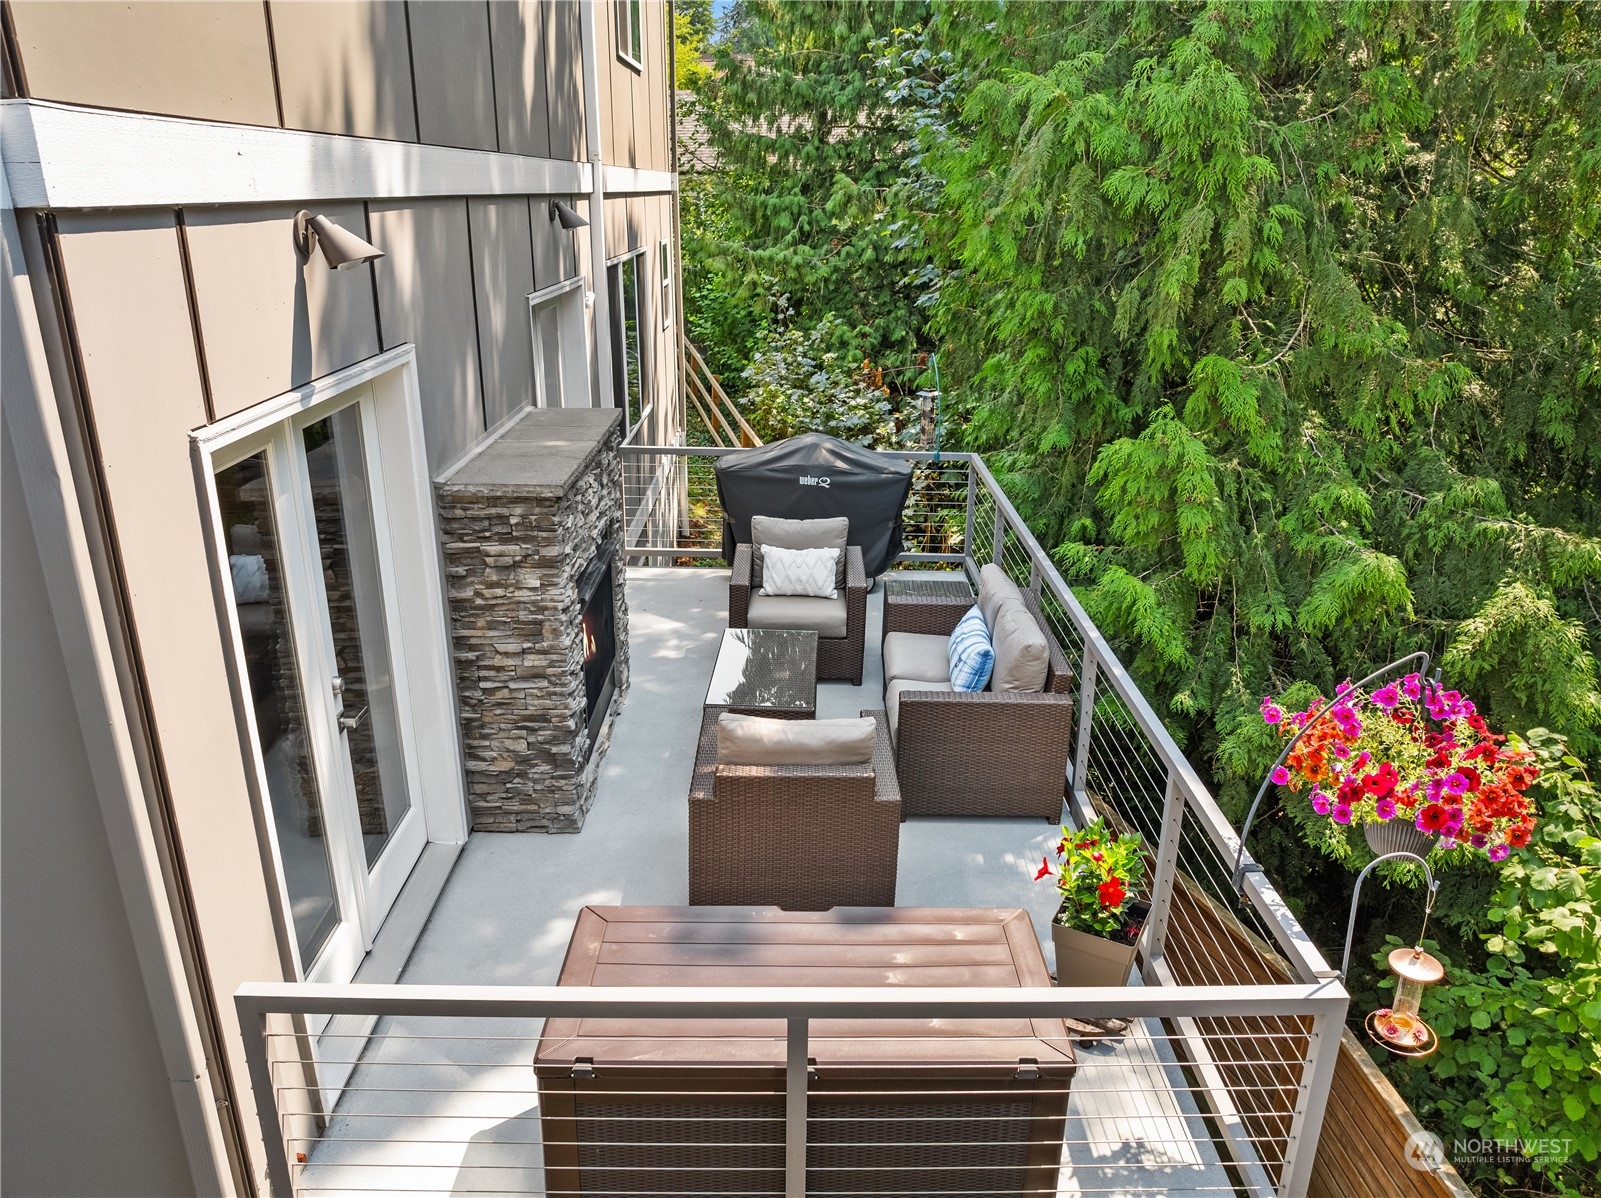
point(1022, 658)
point(798, 534)
point(994, 589)
point(758, 740)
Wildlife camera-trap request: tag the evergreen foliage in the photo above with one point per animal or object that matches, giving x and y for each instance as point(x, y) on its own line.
point(1281, 324)
point(1284, 323)
point(811, 147)
point(1520, 1020)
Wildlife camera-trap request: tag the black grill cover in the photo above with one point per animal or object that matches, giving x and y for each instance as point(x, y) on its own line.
point(813, 476)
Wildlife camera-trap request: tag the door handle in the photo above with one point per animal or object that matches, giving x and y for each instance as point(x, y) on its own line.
point(347, 723)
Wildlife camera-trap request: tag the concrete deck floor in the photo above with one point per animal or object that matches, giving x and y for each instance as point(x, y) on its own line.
point(452, 1110)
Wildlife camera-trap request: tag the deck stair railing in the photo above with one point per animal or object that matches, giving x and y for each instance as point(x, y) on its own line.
point(719, 415)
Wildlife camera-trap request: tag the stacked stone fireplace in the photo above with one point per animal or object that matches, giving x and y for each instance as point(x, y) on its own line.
point(538, 615)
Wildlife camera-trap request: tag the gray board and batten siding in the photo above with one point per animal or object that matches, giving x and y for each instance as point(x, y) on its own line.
point(505, 75)
point(163, 320)
point(57, 857)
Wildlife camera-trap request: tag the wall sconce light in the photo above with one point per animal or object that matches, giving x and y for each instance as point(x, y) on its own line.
point(567, 215)
point(1399, 1028)
point(340, 247)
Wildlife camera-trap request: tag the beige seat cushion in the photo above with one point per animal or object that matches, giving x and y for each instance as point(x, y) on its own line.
point(892, 699)
point(799, 534)
point(1022, 658)
point(917, 657)
point(825, 617)
point(758, 740)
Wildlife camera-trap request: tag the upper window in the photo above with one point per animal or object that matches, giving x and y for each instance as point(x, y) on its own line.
point(627, 336)
point(664, 255)
point(630, 33)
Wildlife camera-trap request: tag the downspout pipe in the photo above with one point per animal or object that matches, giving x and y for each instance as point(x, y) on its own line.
point(680, 424)
point(600, 316)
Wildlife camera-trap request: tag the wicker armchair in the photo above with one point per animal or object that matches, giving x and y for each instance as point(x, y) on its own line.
point(983, 752)
point(839, 658)
point(800, 837)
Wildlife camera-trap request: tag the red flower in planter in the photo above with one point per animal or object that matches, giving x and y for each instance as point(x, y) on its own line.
point(1112, 892)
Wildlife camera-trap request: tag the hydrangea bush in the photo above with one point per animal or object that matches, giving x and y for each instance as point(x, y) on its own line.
point(1408, 750)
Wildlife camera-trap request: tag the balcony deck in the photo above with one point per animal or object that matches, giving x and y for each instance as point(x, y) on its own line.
point(406, 1122)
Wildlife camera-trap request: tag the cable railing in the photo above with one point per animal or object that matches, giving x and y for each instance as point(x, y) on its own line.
point(1218, 1084)
point(820, 1091)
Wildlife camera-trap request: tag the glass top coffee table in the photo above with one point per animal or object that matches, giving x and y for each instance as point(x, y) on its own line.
point(766, 671)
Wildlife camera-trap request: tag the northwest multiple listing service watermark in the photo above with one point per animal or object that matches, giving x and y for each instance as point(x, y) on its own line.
point(1427, 1152)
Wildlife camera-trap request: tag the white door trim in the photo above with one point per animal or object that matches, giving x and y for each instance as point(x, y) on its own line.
point(421, 638)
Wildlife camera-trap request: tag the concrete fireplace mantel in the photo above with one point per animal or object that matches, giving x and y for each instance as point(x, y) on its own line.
point(543, 452)
point(521, 521)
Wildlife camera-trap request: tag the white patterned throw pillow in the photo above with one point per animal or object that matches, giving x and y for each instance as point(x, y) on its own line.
point(807, 572)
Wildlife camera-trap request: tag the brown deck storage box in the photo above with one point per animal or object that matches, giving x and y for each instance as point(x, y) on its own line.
point(674, 1106)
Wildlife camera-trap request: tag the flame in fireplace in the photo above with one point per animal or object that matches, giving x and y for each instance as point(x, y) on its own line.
point(589, 641)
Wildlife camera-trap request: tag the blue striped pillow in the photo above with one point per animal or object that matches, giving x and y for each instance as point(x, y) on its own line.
point(972, 655)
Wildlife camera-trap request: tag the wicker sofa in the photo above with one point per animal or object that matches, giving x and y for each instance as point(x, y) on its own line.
point(979, 753)
point(800, 837)
point(840, 649)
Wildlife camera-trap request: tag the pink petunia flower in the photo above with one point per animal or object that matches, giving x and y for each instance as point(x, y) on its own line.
point(1387, 697)
point(1320, 804)
point(1499, 852)
point(1281, 776)
point(1384, 808)
point(1341, 814)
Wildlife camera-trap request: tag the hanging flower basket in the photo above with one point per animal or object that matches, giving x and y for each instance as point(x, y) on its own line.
point(1413, 764)
point(1396, 836)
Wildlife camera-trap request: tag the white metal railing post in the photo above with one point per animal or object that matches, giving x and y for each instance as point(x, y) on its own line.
point(972, 515)
point(1083, 809)
point(1311, 1101)
point(1153, 938)
point(795, 1068)
point(253, 1031)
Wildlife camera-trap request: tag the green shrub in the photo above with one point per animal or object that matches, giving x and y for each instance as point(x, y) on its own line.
point(795, 384)
point(1520, 1051)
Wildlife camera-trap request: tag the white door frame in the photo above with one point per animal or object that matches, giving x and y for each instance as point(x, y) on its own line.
point(419, 622)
